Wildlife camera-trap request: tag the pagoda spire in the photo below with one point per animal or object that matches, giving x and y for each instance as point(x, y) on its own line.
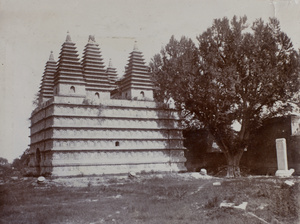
point(110, 64)
point(93, 68)
point(137, 81)
point(112, 74)
point(69, 78)
point(91, 39)
point(135, 46)
point(68, 38)
point(47, 83)
point(51, 57)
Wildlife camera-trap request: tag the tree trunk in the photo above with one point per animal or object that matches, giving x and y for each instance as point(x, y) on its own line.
point(233, 163)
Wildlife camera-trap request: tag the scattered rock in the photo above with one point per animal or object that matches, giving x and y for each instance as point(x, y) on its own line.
point(262, 206)
point(289, 183)
point(199, 176)
point(203, 172)
point(241, 206)
point(132, 175)
point(14, 178)
point(116, 197)
point(41, 179)
point(217, 184)
point(225, 204)
point(159, 176)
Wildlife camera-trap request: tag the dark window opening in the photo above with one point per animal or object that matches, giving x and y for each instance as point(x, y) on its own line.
point(142, 94)
point(72, 88)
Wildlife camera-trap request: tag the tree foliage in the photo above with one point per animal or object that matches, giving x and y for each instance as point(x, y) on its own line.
point(238, 74)
point(22, 162)
point(3, 161)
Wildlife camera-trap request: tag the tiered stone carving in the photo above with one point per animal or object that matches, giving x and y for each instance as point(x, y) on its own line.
point(136, 83)
point(47, 84)
point(69, 79)
point(96, 78)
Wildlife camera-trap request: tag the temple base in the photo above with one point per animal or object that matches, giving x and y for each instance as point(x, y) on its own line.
point(284, 173)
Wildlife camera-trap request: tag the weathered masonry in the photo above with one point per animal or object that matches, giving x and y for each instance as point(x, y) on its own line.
point(89, 123)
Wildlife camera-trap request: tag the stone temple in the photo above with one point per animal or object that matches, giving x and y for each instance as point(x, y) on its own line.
point(89, 122)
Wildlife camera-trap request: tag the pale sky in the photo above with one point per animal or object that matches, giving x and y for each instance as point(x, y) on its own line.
point(30, 29)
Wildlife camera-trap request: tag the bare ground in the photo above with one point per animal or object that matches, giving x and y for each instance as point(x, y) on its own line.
point(158, 198)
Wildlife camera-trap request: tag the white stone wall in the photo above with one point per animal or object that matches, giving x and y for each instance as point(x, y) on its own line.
point(103, 144)
point(148, 94)
point(97, 96)
point(108, 135)
point(94, 122)
point(66, 90)
point(113, 111)
point(144, 134)
point(115, 169)
point(114, 157)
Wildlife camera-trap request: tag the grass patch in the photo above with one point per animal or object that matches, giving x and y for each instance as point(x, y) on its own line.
point(171, 199)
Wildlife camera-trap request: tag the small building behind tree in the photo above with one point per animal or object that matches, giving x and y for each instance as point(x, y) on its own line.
point(259, 158)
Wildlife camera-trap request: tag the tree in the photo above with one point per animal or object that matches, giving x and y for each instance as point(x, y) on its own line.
point(22, 162)
point(3, 161)
point(238, 75)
